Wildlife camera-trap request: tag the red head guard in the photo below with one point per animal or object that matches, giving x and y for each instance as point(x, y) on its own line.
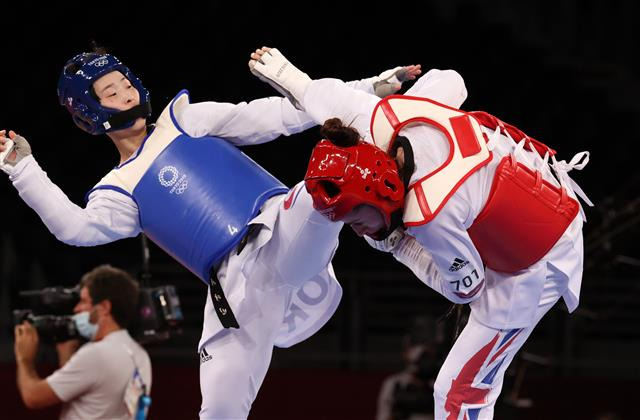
point(341, 178)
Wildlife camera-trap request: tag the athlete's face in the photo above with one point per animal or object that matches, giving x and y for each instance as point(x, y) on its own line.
point(115, 91)
point(365, 220)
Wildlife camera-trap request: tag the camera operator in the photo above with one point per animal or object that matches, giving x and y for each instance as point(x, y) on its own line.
point(107, 376)
point(408, 394)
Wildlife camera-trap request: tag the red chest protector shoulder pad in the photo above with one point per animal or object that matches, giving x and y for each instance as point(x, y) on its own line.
point(522, 219)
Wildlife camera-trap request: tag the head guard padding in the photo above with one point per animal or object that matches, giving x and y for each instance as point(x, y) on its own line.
point(75, 92)
point(341, 178)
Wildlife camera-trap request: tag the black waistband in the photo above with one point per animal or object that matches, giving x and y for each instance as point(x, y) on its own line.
point(219, 300)
point(220, 304)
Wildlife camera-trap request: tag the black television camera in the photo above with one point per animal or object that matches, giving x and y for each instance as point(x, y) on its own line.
point(50, 309)
point(49, 312)
point(55, 328)
point(159, 314)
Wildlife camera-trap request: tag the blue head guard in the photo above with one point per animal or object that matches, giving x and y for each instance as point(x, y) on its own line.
point(75, 92)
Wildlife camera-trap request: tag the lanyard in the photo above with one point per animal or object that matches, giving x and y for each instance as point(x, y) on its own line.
point(144, 400)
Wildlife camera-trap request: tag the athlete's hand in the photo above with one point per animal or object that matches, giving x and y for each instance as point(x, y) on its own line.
point(388, 244)
point(390, 81)
point(20, 150)
point(257, 56)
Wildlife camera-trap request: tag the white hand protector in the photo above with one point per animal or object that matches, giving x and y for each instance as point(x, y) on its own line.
point(411, 253)
point(276, 70)
point(407, 250)
point(388, 244)
point(390, 81)
point(17, 144)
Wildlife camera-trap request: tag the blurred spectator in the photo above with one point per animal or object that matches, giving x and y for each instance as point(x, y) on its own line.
point(408, 394)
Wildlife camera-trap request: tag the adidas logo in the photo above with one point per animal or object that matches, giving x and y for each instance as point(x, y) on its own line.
point(458, 264)
point(204, 356)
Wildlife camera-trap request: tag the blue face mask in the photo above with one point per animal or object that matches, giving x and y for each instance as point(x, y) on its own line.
point(85, 328)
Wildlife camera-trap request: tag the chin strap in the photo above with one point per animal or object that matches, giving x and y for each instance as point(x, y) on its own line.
point(405, 173)
point(122, 118)
point(409, 163)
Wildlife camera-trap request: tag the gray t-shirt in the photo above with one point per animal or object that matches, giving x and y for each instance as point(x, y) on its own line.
point(92, 383)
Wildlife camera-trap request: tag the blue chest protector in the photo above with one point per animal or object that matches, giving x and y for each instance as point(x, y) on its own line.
point(197, 198)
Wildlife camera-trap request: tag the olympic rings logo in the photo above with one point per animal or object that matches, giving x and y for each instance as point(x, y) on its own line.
point(181, 187)
point(177, 183)
point(100, 63)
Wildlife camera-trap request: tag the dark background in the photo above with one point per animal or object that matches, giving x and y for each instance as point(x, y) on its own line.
point(565, 72)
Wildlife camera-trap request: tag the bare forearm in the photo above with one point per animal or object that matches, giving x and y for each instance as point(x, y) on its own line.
point(35, 392)
point(27, 379)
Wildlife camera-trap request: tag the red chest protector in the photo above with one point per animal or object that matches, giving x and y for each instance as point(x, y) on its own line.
point(524, 215)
